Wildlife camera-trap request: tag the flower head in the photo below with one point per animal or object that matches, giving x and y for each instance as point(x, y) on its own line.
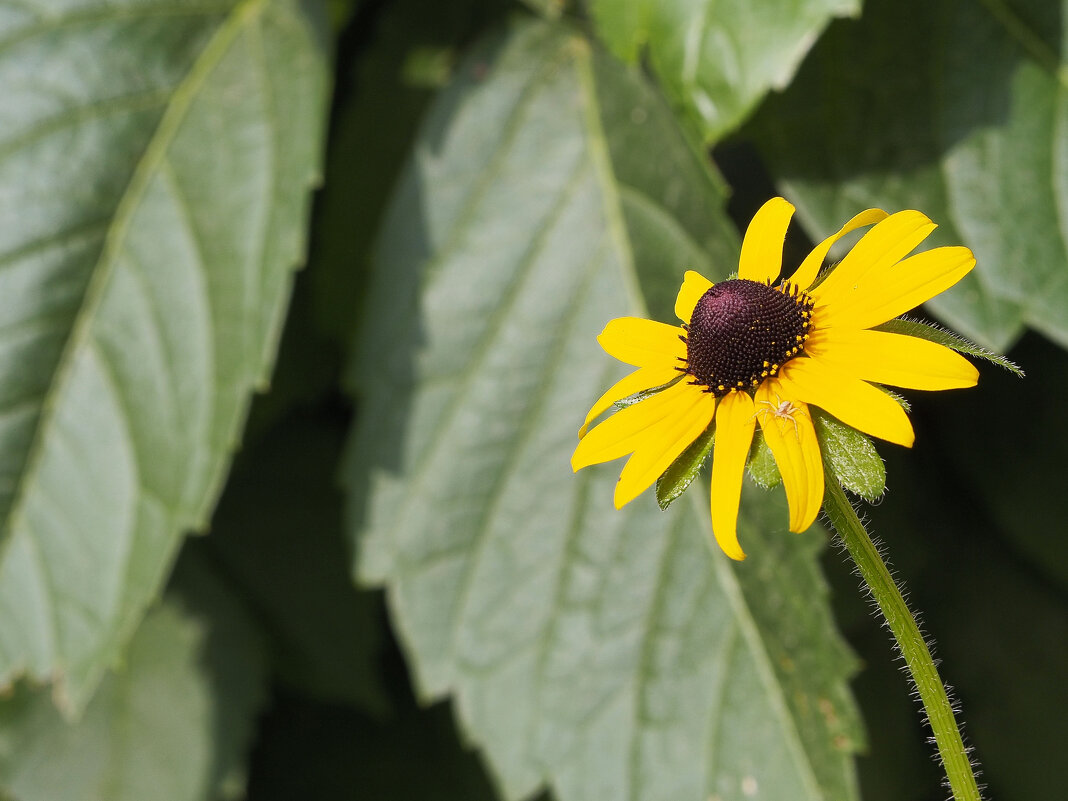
point(752, 352)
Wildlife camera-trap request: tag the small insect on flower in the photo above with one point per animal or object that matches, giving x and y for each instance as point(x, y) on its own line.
point(759, 350)
point(779, 410)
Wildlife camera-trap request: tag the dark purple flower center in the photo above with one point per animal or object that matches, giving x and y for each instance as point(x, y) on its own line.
point(742, 332)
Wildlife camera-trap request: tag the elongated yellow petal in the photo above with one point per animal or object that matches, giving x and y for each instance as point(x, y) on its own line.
point(641, 379)
point(662, 444)
point(883, 295)
point(735, 421)
point(624, 431)
point(788, 430)
point(894, 359)
point(810, 267)
point(761, 257)
point(694, 285)
point(851, 400)
point(879, 249)
point(643, 343)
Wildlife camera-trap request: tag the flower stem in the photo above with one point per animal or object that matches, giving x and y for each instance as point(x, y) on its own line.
point(913, 647)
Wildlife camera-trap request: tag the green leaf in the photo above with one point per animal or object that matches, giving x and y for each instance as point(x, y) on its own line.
point(955, 109)
point(603, 653)
point(761, 462)
point(172, 724)
point(684, 470)
point(852, 456)
point(153, 187)
point(932, 333)
point(717, 61)
point(638, 397)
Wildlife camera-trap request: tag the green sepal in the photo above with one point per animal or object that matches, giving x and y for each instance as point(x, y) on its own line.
point(857, 464)
point(940, 336)
point(761, 463)
point(901, 400)
point(674, 481)
point(637, 397)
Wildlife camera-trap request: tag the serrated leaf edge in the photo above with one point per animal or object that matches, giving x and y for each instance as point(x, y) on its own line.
point(940, 335)
point(181, 100)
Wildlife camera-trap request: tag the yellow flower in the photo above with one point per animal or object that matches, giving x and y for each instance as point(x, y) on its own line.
point(752, 352)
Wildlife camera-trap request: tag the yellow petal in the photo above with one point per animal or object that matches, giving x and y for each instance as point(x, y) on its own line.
point(788, 430)
point(894, 359)
point(883, 295)
point(879, 249)
point(761, 257)
point(851, 400)
point(810, 267)
point(641, 379)
point(694, 285)
point(626, 430)
point(642, 343)
point(662, 444)
point(734, 434)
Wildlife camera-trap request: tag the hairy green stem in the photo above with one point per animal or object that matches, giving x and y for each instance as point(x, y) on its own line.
point(913, 647)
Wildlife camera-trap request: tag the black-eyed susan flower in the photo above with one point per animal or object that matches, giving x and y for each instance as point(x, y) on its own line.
point(752, 352)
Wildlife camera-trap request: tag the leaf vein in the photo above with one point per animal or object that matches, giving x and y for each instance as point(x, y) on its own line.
point(108, 13)
point(70, 236)
point(464, 378)
point(574, 531)
point(724, 654)
point(645, 653)
point(527, 429)
point(762, 659)
point(86, 112)
point(146, 166)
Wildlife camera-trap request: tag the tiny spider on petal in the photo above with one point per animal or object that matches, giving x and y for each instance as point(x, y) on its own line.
point(780, 410)
point(759, 350)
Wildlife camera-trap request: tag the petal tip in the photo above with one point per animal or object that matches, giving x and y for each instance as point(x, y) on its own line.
point(728, 543)
point(578, 459)
point(779, 203)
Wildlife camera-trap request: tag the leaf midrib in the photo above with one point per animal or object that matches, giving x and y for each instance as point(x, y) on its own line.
point(1027, 39)
point(155, 151)
point(747, 624)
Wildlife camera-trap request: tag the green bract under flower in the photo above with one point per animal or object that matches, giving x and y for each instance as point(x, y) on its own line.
point(757, 353)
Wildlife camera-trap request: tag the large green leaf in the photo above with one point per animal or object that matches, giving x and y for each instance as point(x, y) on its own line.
point(607, 654)
point(154, 167)
point(956, 109)
point(172, 724)
point(717, 60)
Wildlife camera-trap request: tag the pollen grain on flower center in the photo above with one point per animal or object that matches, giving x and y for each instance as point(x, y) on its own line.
point(743, 331)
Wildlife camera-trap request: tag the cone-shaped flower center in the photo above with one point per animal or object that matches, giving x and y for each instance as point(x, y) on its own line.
point(743, 331)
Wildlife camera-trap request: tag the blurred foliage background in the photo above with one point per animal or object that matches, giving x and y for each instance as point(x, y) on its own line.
point(495, 181)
